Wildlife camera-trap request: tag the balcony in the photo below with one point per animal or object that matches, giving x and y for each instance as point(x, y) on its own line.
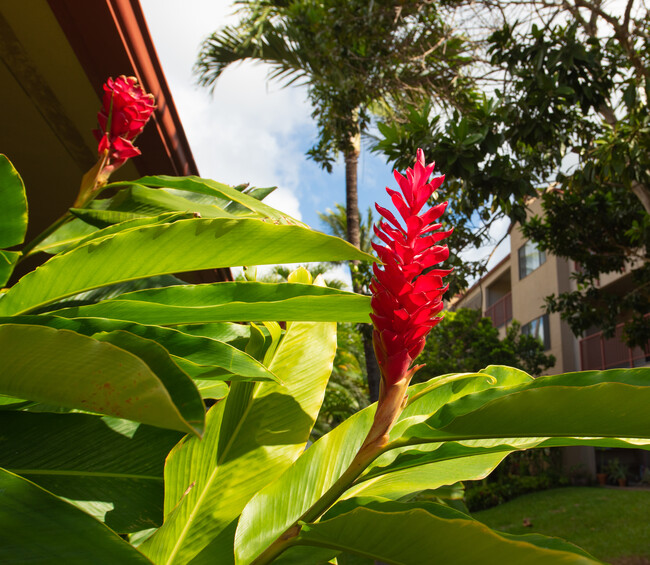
point(501, 311)
point(597, 352)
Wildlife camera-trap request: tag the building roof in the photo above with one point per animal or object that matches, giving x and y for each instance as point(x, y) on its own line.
point(56, 55)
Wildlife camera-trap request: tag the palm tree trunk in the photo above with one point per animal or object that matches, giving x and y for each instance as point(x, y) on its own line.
point(354, 237)
point(351, 193)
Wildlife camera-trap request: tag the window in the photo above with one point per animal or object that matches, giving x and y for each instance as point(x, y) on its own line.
point(538, 328)
point(530, 258)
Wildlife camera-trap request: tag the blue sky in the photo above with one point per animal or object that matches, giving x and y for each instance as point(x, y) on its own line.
point(252, 130)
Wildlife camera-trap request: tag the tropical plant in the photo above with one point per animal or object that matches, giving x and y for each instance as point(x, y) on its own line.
point(104, 427)
point(346, 391)
point(355, 58)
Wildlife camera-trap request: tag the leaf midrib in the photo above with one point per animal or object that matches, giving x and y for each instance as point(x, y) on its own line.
point(210, 480)
point(65, 472)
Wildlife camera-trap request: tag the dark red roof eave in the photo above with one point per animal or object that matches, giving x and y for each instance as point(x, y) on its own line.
point(111, 38)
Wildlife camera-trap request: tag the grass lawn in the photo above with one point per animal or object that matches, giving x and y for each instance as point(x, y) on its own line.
point(613, 524)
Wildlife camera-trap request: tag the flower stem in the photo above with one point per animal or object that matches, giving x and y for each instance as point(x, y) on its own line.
point(391, 402)
point(366, 455)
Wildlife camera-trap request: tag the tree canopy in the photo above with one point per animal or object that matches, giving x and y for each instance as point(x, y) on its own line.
point(562, 115)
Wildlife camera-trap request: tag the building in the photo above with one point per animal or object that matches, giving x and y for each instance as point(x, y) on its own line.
point(515, 289)
point(55, 55)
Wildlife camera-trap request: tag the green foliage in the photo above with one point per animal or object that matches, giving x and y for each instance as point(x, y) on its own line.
point(347, 391)
point(465, 342)
point(13, 217)
point(569, 109)
point(352, 55)
point(96, 398)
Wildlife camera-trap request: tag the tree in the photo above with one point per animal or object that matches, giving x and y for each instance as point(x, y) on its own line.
point(354, 57)
point(569, 111)
point(465, 342)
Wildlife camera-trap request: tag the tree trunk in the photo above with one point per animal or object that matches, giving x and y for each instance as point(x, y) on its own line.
point(351, 193)
point(354, 237)
point(372, 367)
point(642, 193)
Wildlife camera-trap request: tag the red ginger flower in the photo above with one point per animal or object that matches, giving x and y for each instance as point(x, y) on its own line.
point(406, 295)
point(126, 108)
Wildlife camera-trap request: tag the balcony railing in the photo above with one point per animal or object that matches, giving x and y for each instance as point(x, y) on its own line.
point(500, 311)
point(597, 352)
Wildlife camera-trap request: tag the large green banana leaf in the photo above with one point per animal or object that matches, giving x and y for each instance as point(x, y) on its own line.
point(413, 533)
point(223, 194)
point(610, 403)
point(490, 413)
point(185, 245)
point(240, 301)
point(250, 439)
point(108, 467)
point(122, 375)
point(284, 501)
point(13, 217)
point(137, 200)
point(8, 260)
point(13, 211)
point(197, 355)
point(38, 527)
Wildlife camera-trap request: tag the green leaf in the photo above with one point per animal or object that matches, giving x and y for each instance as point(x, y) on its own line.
point(241, 301)
point(588, 404)
point(402, 533)
point(214, 390)
point(219, 191)
point(201, 355)
point(396, 484)
point(276, 507)
point(13, 211)
point(106, 218)
point(68, 235)
point(67, 369)
point(406, 465)
point(257, 193)
point(37, 527)
point(180, 388)
point(250, 439)
point(92, 461)
point(93, 225)
point(185, 245)
point(138, 201)
point(8, 260)
point(113, 291)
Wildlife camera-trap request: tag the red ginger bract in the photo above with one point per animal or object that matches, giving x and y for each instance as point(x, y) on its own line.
point(126, 108)
point(405, 298)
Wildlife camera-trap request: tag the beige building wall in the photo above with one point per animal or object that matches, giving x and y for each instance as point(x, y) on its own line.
point(528, 293)
point(527, 297)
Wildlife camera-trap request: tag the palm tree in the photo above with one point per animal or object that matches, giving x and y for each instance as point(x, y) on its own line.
point(356, 57)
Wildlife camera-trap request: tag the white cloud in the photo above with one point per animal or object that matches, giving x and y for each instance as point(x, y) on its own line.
point(246, 132)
